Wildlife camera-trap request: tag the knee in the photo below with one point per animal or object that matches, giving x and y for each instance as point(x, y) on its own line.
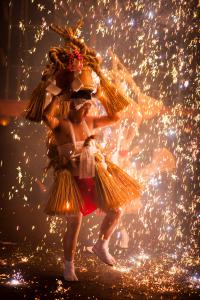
point(117, 212)
point(74, 221)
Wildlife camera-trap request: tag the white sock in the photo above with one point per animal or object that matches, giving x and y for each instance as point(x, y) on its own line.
point(69, 265)
point(102, 251)
point(102, 243)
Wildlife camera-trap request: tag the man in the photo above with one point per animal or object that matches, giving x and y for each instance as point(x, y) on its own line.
point(84, 178)
point(62, 135)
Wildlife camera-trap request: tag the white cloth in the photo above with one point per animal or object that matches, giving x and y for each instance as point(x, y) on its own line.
point(86, 153)
point(79, 102)
point(87, 161)
point(96, 80)
point(77, 84)
point(53, 89)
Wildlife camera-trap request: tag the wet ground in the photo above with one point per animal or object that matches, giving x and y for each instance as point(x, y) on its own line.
point(29, 272)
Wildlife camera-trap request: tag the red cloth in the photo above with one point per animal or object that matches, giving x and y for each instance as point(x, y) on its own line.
point(123, 153)
point(88, 192)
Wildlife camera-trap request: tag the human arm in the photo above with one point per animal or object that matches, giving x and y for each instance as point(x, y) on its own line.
point(104, 121)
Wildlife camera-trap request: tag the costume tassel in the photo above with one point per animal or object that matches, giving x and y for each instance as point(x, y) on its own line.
point(124, 180)
point(111, 192)
point(36, 105)
point(114, 100)
point(64, 196)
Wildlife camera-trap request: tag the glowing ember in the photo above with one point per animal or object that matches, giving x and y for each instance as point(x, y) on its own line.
point(17, 279)
point(149, 48)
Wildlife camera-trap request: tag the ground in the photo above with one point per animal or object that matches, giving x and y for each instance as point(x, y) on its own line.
point(29, 272)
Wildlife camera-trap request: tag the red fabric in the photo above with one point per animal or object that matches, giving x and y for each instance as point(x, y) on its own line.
point(87, 189)
point(123, 153)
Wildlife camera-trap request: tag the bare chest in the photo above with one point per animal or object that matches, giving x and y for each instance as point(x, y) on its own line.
point(64, 133)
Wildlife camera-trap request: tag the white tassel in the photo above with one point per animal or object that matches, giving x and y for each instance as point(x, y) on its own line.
point(87, 162)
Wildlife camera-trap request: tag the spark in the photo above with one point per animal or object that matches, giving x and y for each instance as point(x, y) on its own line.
point(122, 269)
point(16, 279)
point(159, 50)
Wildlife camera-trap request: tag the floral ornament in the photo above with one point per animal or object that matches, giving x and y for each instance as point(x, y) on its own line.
point(72, 64)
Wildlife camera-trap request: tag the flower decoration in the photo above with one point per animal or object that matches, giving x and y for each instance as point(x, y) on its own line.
point(75, 61)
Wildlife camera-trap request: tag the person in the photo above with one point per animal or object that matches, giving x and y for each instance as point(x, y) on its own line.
point(69, 133)
point(84, 178)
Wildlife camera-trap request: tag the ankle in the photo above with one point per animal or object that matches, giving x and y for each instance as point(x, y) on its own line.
point(102, 243)
point(69, 264)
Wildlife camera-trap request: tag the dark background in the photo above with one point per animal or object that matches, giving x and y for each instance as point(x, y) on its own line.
point(163, 34)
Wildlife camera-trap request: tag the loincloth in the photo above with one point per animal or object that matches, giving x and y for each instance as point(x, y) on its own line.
point(111, 188)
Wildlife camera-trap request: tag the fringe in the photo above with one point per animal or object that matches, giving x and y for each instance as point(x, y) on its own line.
point(114, 189)
point(65, 196)
point(113, 186)
point(130, 184)
point(114, 101)
point(36, 105)
point(64, 108)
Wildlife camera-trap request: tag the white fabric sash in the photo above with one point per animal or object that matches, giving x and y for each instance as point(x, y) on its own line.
point(87, 159)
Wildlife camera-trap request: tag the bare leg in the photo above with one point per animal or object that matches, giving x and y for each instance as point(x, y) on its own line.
point(109, 224)
point(107, 227)
point(69, 245)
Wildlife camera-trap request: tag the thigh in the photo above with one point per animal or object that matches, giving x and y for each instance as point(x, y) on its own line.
point(74, 219)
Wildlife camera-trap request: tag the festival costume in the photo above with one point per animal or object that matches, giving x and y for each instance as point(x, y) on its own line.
point(61, 70)
point(85, 179)
point(88, 181)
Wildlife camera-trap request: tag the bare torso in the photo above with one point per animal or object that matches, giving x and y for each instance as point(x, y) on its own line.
point(63, 135)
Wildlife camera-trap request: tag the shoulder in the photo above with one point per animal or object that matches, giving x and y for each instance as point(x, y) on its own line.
point(64, 122)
